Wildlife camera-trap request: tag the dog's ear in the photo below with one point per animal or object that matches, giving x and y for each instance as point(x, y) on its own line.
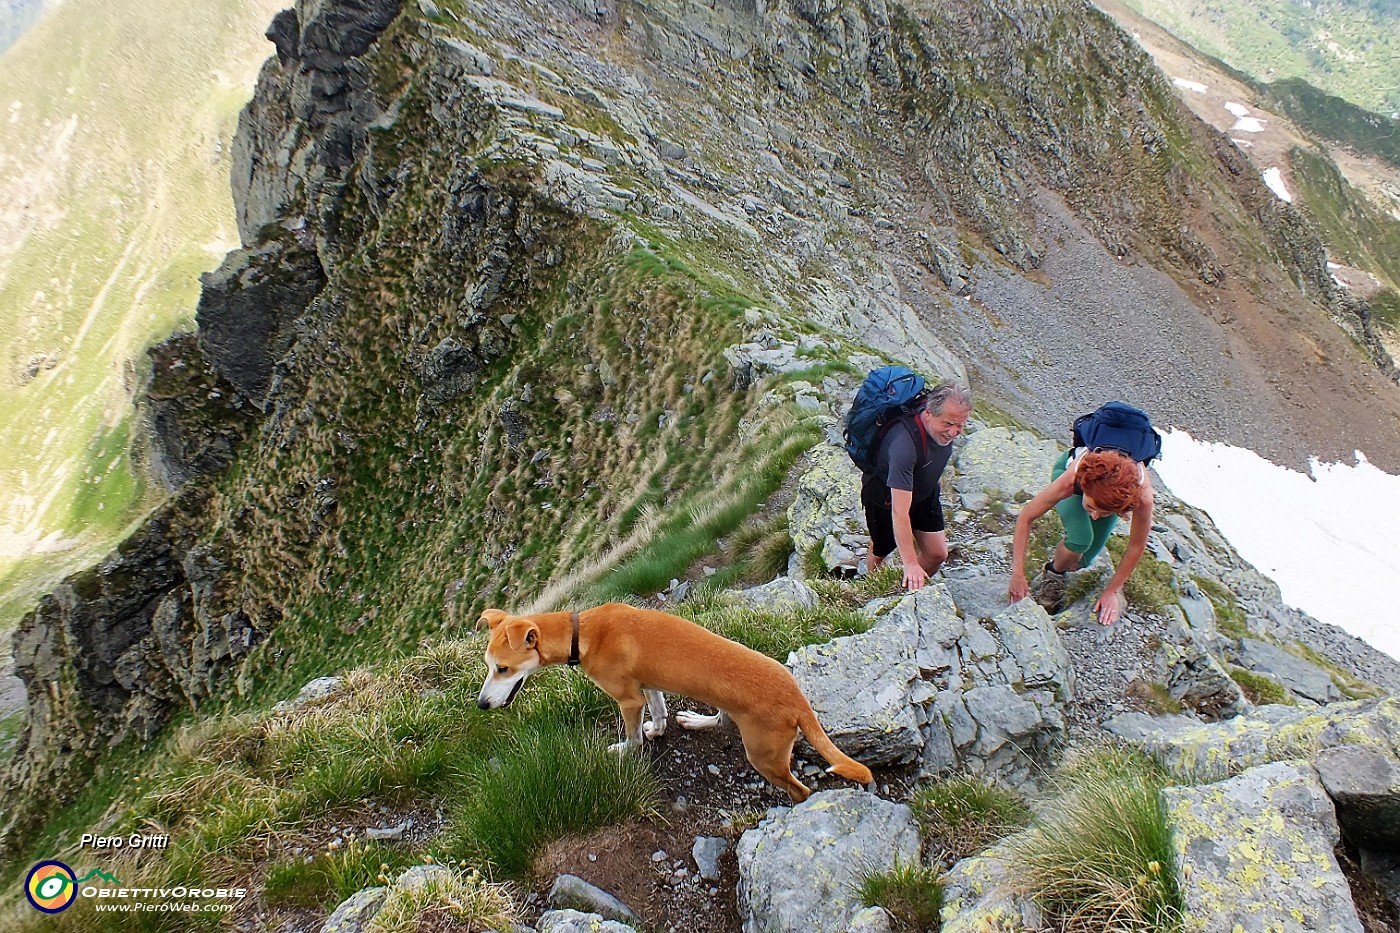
point(522, 634)
point(490, 618)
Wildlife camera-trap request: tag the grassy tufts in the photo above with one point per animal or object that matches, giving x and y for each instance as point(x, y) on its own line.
point(553, 779)
point(1259, 689)
point(332, 876)
point(1150, 586)
point(912, 894)
point(457, 900)
point(966, 814)
point(1100, 856)
point(778, 634)
point(1228, 617)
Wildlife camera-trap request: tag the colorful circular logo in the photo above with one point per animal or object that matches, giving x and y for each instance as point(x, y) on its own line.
point(51, 887)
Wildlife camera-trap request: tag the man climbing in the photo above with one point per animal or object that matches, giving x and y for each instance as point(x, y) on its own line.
point(900, 494)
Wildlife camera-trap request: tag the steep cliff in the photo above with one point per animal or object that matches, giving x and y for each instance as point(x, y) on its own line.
point(526, 288)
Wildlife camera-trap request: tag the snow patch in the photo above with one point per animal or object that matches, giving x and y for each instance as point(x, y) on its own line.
point(1273, 177)
point(1248, 125)
point(1330, 540)
point(1196, 86)
point(1239, 110)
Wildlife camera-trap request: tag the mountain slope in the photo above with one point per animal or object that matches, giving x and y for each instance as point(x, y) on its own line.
point(532, 300)
point(1350, 48)
point(113, 198)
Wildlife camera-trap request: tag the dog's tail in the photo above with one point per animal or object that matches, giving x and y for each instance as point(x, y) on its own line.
point(841, 763)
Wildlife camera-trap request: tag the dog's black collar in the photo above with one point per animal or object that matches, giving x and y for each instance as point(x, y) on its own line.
point(573, 642)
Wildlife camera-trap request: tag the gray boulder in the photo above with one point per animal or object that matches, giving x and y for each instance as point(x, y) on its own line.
point(417, 877)
point(1259, 852)
point(1029, 635)
point(979, 894)
point(826, 512)
point(1301, 677)
point(356, 911)
point(781, 595)
point(871, 920)
point(571, 891)
point(799, 869)
point(707, 852)
point(573, 921)
point(1267, 734)
point(1364, 782)
point(860, 688)
point(1001, 463)
point(978, 592)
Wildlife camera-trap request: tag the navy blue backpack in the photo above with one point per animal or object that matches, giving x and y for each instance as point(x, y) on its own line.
point(1121, 427)
point(886, 394)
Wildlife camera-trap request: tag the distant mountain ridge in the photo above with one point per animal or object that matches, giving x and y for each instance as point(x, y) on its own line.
point(1349, 48)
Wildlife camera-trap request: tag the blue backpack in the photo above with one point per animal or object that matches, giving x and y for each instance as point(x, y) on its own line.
point(1121, 427)
point(886, 394)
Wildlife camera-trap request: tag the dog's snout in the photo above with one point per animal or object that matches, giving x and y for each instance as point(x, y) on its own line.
point(483, 704)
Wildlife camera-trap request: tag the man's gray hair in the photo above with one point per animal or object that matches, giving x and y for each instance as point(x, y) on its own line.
point(945, 392)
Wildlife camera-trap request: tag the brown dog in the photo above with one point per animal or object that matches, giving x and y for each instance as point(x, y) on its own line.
point(634, 654)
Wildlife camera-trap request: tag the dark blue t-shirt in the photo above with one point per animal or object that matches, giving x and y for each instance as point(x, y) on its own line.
point(910, 459)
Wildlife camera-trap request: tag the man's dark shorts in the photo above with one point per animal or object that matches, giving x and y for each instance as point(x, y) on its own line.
point(875, 496)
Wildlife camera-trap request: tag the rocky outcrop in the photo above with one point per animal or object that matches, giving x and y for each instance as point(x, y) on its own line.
point(111, 651)
point(1364, 783)
point(1268, 734)
point(980, 893)
point(1255, 854)
point(1010, 466)
point(306, 127)
point(826, 514)
point(951, 693)
point(800, 868)
point(247, 308)
point(193, 421)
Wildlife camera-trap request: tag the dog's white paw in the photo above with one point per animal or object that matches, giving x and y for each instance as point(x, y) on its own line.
point(653, 730)
point(622, 747)
point(690, 719)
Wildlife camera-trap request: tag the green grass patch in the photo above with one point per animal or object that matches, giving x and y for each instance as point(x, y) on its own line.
point(966, 814)
point(1259, 689)
point(712, 513)
point(332, 876)
point(554, 778)
point(1229, 618)
point(1100, 854)
point(1155, 697)
point(1150, 586)
point(776, 634)
point(912, 894)
point(855, 592)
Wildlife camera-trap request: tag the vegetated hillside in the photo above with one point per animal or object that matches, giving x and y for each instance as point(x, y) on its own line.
point(114, 196)
point(1350, 48)
point(515, 281)
point(1336, 161)
point(1334, 118)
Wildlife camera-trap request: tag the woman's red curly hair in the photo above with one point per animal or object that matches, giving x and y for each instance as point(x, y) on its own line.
point(1111, 479)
